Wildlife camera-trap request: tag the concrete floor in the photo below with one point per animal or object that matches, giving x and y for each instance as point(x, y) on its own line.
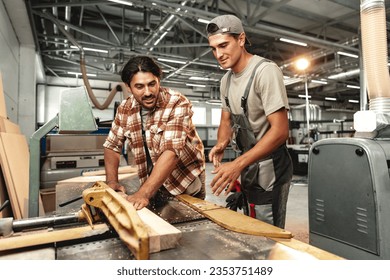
point(297, 220)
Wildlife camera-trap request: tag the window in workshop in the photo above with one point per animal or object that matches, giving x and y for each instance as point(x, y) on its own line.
point(199, 116)
point(215, 116)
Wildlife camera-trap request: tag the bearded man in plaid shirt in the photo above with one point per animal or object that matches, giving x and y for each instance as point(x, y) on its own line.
point(157, 121)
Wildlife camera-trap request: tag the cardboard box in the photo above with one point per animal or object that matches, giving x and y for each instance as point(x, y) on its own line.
point(48, 200)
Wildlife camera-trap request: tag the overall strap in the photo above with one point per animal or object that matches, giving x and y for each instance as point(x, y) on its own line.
point(244, 98)
point(247, 89)
point(229, 77)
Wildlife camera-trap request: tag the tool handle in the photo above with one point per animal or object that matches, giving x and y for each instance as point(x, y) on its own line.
point(70, 201)
point(80, 197)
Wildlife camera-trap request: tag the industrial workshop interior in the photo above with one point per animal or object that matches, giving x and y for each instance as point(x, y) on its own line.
point(60, 87)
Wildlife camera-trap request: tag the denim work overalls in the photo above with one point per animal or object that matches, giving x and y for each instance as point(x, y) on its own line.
point(266, 182)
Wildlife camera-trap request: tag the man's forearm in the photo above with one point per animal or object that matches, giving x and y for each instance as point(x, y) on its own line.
point(164, 166)
point(224, 131)
point(111, 165)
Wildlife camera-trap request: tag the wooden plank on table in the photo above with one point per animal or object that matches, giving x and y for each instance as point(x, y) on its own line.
point(233, 220)
point(162, 235)
point(40, 238)
point(308, 249)
point(3, 110)
point(8, 126)
point(121, 170)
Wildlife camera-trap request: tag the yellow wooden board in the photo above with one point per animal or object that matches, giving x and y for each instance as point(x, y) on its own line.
point(233, 220)
point(45, 237)
point(240, 223)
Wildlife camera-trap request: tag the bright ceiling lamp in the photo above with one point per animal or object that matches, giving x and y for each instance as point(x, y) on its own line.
point(331, 98)
point(302, 64)
point(293, 42)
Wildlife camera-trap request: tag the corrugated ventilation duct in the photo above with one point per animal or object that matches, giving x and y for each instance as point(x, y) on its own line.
point(374, 47)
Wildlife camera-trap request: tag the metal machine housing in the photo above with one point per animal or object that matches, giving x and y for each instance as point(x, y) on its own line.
point(349, 195)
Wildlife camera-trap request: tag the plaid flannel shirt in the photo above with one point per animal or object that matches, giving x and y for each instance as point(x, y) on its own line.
point(168, 127)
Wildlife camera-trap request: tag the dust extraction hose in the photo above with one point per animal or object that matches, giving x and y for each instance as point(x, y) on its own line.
point(84, 71)
point(374, 47)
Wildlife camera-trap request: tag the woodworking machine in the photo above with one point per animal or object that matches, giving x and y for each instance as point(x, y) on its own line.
point(349, 178)
point(202, 230)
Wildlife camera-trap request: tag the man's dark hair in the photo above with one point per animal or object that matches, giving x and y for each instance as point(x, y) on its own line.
point(139, 64)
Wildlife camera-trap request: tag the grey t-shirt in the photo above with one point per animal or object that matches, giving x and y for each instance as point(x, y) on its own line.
point(267, 93)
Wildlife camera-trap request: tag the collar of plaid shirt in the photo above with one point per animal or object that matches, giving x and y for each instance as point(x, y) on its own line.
point(138, 145)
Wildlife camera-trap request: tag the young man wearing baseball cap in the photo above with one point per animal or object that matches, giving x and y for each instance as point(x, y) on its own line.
point(254, 121)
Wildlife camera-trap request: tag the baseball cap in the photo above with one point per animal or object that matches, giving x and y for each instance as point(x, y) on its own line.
point(229, 24)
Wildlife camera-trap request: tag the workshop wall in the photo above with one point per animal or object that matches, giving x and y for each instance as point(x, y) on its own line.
point(9, 64)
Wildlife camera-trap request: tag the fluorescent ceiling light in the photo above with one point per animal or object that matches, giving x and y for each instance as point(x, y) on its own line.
point(353, 101)
point(195, 85)
point(202, 79)
point(293, 42)
point(352, 86)
point(80, 74)
point(304, 96)
point(159, 39)
point(122, 2)
point(319, 82)
point(205, 21)
point(90, 49)
point(330, 98)
point(171, 60)
point(348, 54)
